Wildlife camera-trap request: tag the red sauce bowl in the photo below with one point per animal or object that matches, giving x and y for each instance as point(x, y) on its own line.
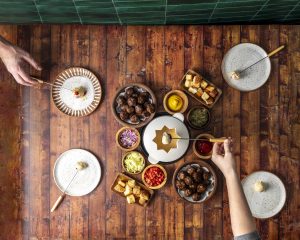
point(203, 149)
point(154, 176)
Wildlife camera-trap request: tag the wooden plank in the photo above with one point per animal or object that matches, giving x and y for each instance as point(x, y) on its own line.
point(231, 119)
point(11, 176)
point(97, 132)
point(39, 137)
point(212, 55)
point(289, 128)
point(174, 70)
point(269, 124)
point(193, 59)
point(155, 57)
point(135, 72)
point(116, 69)
point(79, 133)
point(60, 128)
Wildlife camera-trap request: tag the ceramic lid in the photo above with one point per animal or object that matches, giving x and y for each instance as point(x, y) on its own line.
point(155, 155)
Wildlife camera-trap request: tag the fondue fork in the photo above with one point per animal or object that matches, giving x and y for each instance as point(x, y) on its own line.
point(214, 140)
point(50, 84)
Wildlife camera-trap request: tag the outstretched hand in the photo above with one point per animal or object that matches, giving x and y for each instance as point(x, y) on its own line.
point(13, 57)
point(223, 157)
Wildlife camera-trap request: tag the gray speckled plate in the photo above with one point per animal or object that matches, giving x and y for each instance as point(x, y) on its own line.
point(268, 203)
point(241, 56)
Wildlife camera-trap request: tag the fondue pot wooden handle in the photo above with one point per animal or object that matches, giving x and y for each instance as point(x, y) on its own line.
point(58, 201)
point(217, 140)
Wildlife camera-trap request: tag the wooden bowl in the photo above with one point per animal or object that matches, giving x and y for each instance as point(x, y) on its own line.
point(123, 165)
point(160, 185)
point(114, 105)
point(203, 135)
point(191, 124)
point(135, 146)
point(204, 165)
point(183, 97)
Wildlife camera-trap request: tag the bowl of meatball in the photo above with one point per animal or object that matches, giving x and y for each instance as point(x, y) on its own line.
point(134, 105)
point(195, 181)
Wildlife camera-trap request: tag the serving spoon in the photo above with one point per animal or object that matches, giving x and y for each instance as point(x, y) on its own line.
point(79, 166)
point(237, 74)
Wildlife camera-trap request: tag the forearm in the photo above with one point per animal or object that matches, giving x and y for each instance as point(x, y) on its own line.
point(242, 220)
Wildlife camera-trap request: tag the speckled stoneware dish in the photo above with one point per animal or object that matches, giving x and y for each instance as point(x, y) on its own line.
point(64, 98)
point(85, 181)
point(240, 57)
point(268, 203)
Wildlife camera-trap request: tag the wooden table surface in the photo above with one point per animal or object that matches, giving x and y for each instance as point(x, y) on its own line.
point(264, 123)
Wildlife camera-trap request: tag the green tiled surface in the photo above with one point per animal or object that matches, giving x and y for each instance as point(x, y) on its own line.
point(149, 11)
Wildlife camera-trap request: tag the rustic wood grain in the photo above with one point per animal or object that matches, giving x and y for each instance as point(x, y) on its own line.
point(265, 125)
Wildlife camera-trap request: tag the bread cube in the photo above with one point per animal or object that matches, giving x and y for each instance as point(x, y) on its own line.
point(189, 77)
point(130, 199)
point(144, 195)
point(196, 81)
point(213, 93)
point(128, 190)
point(119, 188)
point(210, 88)
point(188, 83)
point(210, 101)
point(205, 96)
point(193, 90)
point(131, 183)
point(136, 190)
point(121, 183)
point(142, 201)
point(203, 84)
point(199, 92)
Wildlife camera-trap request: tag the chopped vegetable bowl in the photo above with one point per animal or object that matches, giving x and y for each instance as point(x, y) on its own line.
point(133, 162)
point(154, 176)
point(128, 138)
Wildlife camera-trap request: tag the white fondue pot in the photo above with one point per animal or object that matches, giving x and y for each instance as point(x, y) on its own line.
point(155, 155)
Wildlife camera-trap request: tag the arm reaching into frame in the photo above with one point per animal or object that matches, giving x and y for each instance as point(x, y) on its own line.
point(13, 58)
point(242, 222)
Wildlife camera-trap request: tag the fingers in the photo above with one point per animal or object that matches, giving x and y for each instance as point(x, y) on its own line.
point(20, 80)
point(228, 145)
point(216, 148)
point(25, 77)
point(31, 61)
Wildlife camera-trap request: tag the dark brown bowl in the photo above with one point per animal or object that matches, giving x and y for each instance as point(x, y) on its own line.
point(192, 125)
point(201, 164)
point(114, 105)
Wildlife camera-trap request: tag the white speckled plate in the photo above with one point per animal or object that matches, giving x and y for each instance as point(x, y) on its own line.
point(85, 181)
point(268, 203)
point(240, 57)
point(64, 98)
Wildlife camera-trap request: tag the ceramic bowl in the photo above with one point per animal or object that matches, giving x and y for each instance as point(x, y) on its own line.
point(160, 185)
point(182, 95)
point(133, 147)
point(123, 163)
point(211, 188)
point(194, 126)
point(202, 136)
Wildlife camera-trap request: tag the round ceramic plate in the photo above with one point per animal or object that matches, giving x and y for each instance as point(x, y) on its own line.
point(85, 181)
point(268, 203)
point(240, 57)
point(63, 96)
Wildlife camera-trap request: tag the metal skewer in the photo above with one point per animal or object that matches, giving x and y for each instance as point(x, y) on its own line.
point(50, 84)
point(203, 139)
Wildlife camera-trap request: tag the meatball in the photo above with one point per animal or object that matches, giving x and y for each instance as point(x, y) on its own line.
point(150, 108)
point(188, 180)
point(193, 187)
point(196, 177)
point(146, 95)
point(146, 104)
point(180, 184)
point(196, 196)
point(124, 115)
point(141, 99)
point(188, 192)
point(146, 114)
point(129, 109)
point(199, 170)
point(121, 100)
point(129, 91)
point(206, 176)
point(135, 95)
point(123, 107)
point(131, 102)
point(138, 109)
point(134, 118)
point(181, 175)
point(201, 188)
point(190, 170)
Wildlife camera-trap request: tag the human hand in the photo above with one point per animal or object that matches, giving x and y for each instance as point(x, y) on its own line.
point(223, 157)
point(13, 58)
